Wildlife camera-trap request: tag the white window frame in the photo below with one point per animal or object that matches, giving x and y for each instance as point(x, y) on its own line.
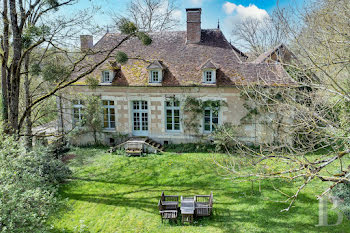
point(109, 106)
point(110, 76)
point(79, 106)
point(160, 75)
point(213, 76)
point(210, 120)
point(172, 108)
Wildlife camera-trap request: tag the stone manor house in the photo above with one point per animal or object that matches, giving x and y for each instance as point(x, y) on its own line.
point(146, 96)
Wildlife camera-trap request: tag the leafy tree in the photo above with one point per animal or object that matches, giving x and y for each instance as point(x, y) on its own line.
point(37, 32)
point(28, 186)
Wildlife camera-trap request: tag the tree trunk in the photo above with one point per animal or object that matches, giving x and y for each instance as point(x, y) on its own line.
point(4, 62)
point(28, 101)
point(13, 90)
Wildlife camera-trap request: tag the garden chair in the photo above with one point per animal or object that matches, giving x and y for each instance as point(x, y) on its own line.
point(167, 214)
point(204, 205)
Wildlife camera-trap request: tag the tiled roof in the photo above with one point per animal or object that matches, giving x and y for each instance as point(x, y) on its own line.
point(182, 62)
point(264, 56)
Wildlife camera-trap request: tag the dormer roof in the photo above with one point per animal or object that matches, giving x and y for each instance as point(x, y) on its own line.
point(208, 65)
point(155, 65)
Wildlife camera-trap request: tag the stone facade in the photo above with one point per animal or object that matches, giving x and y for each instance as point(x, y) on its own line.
point(155, 97)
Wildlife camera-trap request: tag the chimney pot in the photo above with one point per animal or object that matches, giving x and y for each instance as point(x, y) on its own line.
point(193, 25)
point(86, 42)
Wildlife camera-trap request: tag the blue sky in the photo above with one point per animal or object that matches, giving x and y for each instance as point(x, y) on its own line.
point(227, 11)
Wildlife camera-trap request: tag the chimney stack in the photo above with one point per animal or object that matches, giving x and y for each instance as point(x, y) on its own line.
point(193, 25)
point(86, 42)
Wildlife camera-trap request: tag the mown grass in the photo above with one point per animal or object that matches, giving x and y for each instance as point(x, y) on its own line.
point(112, 193)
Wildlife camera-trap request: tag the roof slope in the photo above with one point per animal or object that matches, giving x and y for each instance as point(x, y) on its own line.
point(269, 53)
point(183, 62)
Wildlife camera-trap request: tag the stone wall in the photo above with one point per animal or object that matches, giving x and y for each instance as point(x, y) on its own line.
point(156, 97)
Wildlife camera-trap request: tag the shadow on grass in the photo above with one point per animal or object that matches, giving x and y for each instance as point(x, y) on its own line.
point(138, 182)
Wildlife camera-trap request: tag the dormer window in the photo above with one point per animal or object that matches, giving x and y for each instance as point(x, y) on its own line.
point(107, 76)
point(155, 70)
point(209, 72)
point(155, 76)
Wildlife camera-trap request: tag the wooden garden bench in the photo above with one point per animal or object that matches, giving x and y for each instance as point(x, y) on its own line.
point(204, 204)
point(166, 213)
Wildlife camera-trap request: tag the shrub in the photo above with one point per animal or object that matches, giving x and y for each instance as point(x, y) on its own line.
point(342, 191)
point(28, 185)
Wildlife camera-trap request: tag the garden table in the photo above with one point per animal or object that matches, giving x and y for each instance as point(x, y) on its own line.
point(187, 209)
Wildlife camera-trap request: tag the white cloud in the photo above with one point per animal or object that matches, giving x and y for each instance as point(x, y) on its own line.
point(241, 12)
point(229, 7)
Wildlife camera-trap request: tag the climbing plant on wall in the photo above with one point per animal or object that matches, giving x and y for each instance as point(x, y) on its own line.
point(194, 111)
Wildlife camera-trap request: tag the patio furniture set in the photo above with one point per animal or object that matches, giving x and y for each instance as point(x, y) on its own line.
point(196, 206)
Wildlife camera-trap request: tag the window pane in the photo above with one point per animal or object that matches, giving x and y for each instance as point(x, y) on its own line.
point(176, 126)
point(215, 120)
point(136, 105)
point(176, 119)
point(206, 119)
point(207, 113)
point(176, 113)
point(111, 102)
point(207, 127)
point(169, 126)
point(112, 124)
point(176, 103)
point(104, 102)
point(168, 103)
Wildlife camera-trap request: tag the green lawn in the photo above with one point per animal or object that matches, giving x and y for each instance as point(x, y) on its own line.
point(112, 193)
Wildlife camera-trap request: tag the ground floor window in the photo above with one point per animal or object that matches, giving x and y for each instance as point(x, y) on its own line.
point(172, 109)
point(140, 116)
point(77, 112)
point(108, 114)
point(211, 120)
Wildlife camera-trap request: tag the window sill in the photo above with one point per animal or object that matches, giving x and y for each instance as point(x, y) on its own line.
point(155, 84)
point(108, 130)
point(173, 131)
point(106, 84)
point(209, 84)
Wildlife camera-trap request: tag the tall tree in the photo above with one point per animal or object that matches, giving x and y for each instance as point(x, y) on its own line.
point(258, 35)
point(152, 15)
point(39, 26)
point(315, 108)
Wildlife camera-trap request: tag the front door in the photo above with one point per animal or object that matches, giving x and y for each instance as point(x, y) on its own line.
point(140, 118)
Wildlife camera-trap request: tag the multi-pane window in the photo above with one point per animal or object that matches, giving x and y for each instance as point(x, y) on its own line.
point(140, 115)
point(208, 76)
point(155, 76)
point(108, 114)
point(106, 76)
point(211, 120)
point(77, 111)
point(172, 109)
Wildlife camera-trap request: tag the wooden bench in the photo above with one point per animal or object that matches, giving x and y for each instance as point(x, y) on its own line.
point(168, 207)
point(134, 148)
point(204, 204)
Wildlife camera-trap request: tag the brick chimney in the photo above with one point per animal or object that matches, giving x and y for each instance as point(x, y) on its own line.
point(193, 25)
point(86, 42)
